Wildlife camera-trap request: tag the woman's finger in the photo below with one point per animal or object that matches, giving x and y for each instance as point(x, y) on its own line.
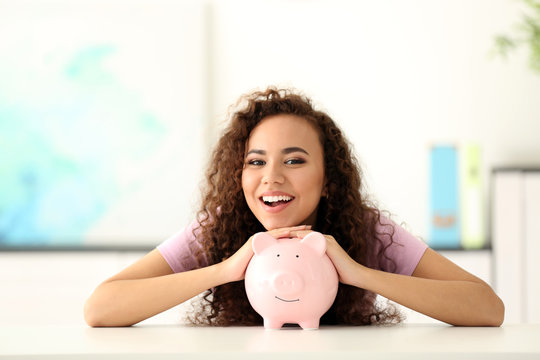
point(300, 233)
point(288, 231)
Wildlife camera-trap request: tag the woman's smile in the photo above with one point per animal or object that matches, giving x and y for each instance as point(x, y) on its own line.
point(275, 201)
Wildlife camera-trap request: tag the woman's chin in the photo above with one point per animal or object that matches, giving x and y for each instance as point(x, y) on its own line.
point(269, 226)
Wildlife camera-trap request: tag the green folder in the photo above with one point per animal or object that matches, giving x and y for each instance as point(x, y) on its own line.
point(472, 198)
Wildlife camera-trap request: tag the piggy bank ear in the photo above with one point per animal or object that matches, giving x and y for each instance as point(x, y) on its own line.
point(261, 241)
point(316, 241)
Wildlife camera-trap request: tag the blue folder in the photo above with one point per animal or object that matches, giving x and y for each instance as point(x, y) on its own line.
point(444, 227)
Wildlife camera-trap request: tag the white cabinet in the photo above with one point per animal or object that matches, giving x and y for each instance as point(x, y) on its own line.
point(50, 288)
point(516, 242)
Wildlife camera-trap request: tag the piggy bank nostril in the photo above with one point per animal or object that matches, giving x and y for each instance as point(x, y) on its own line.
point(287, 283)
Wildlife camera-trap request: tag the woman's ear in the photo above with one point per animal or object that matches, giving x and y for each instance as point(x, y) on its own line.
point(324, 192)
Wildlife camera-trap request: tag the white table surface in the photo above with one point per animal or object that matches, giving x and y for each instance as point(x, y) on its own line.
point(406, 341)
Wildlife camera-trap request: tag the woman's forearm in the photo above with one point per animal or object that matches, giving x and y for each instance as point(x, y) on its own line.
point(127, 302)
point(149, 287)
point(457, 302)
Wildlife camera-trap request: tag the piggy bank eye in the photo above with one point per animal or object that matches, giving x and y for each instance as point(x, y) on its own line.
point(297, 256)
point(277, 255)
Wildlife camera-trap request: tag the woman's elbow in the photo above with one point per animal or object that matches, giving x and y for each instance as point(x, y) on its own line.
point(92, 314)
point(498, 314)
point(97, 312)
point(494, 316)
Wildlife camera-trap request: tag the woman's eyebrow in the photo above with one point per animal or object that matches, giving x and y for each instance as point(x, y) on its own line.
point(256, 151)
point(294, 149)
point(285, 151)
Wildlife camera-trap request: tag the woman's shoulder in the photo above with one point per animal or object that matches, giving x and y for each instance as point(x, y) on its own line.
point(183, 250)
point(402, 250)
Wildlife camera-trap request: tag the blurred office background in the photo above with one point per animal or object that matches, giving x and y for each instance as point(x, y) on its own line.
point(109, 109)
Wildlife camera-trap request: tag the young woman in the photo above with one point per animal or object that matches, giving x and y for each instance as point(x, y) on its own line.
point(282, 166)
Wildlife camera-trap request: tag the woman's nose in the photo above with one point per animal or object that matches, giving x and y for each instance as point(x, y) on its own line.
point(272, 175)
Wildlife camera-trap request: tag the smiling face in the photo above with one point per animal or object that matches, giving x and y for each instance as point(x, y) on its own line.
point(283, 176)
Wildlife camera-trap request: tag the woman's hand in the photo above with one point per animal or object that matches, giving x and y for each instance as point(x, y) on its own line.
point(235, 266)
point(346, 267)
point(290, 232)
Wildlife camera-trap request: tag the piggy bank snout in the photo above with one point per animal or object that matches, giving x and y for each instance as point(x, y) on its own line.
point(287, 283)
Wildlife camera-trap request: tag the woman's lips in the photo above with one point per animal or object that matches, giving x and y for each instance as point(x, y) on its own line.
point(275, 202)
point(275, 208)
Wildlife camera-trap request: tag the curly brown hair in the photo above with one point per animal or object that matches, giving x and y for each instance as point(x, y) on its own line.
point(227, 222)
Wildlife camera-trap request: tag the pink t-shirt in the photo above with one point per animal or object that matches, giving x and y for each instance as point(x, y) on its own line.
point(402, 256)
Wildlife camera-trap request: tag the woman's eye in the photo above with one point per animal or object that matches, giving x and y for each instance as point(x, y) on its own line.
point(295, 161)
point(256, 162)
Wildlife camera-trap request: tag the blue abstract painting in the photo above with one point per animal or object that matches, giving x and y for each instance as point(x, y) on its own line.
point(94, 112)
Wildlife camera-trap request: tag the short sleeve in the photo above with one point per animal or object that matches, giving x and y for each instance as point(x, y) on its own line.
point(180, 250)
point(403, 253)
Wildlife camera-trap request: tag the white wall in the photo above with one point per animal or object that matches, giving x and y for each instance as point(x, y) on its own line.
point(396, 75)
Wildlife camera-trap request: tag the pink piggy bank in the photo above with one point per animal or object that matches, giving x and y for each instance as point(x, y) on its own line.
point(291, 280)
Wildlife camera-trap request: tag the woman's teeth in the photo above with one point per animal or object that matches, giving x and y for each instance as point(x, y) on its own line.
point(276, 200)
point(273, 199)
